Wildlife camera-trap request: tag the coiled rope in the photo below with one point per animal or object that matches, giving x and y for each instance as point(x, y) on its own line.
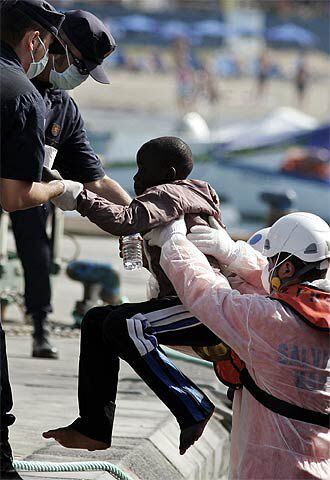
point(25, 466)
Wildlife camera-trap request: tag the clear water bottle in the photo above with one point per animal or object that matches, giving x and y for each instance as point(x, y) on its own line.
point(132, 252)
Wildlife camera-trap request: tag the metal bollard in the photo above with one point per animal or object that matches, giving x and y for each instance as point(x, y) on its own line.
point(101, 284)
point(280, 203)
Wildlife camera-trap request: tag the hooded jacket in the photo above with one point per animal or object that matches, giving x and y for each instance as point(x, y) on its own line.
point(158, 205)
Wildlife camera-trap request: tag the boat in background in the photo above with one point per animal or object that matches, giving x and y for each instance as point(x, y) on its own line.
point(245, 159)
point(277, 126)
point(300, 163)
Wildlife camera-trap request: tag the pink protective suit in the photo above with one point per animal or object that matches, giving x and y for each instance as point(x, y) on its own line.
point(284, 356)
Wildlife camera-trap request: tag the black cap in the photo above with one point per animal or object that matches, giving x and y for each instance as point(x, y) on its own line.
point(44, 14)
point(93, 40)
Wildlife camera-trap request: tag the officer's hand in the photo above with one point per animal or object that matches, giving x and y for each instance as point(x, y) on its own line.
point(49, 175)
point(214, 241)
point(68, 199)
point(158, 236)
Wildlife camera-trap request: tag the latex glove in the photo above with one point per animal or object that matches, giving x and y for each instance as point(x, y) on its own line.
point(213, 241)
point(49, 175)
point(160, 235)
point(68, 199)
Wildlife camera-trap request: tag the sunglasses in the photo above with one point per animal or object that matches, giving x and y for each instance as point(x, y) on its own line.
point(78, 63)
point(111, 50)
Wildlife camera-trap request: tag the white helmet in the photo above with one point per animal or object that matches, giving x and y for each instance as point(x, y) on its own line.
point(302, 234)
point(257, 240)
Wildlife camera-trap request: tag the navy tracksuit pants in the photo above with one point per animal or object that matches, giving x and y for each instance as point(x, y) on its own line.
point(133, 333)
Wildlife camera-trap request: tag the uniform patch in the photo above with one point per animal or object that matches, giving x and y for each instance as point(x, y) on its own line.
point(56, 128)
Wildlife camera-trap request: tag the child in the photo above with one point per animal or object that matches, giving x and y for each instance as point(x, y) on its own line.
point(132, 331)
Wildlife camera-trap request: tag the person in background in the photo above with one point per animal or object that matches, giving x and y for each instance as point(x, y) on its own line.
point(185, 75)
point(281, 337)
point(87, 43)
point(301, 78)
point(263, 73)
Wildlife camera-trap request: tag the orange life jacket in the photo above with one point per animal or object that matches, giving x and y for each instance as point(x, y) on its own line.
point(311, 304)
point(313, 307)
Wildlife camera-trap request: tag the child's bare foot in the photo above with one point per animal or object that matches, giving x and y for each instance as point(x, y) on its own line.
point(191, 434)
point(70, 438)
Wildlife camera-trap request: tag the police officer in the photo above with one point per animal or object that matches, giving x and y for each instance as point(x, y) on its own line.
point(87, 43)
point(24, 53)
point(29, 29)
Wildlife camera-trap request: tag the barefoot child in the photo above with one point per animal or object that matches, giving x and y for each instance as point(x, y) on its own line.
point(133, 331)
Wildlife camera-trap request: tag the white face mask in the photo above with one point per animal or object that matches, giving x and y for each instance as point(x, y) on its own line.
point(67, 80)
point(265, 278)
point(36, 68)
point(267, 274)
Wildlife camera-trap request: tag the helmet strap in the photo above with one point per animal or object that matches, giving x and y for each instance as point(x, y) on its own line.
point(277, 283)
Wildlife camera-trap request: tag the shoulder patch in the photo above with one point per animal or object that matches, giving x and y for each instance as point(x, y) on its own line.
point(56, 128)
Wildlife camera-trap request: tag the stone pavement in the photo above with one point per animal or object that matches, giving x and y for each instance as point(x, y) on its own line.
point(145, 441)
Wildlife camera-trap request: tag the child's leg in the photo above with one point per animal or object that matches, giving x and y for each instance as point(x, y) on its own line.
point(97, 388)
point(126, 332)
point(98, 377)
point(131, 335)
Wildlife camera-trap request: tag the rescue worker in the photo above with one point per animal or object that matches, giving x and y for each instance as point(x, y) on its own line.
point(29, 29)
point(280, 337)
point(87, 43)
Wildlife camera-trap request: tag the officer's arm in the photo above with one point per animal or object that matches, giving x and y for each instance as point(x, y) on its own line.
point(111, 190)
point(20, 195)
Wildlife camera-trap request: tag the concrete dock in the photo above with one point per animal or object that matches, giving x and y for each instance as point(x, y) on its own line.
point(145, 440)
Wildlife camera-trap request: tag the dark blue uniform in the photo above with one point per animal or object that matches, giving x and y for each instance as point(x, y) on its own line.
point(22, 157)
point(65, 131)
point(75, 159)
point(22, 121)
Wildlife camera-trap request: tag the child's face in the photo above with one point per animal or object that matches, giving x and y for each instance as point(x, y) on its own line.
point(149, 174)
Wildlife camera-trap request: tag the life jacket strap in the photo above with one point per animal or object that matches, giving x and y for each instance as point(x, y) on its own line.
point(282, 407)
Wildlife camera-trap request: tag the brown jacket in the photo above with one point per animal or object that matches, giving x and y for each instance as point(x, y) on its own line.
point(156, 206)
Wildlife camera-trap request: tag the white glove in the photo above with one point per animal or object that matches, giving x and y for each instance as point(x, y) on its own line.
point(213, 241)
point(68, 199)
point(49, 175)
point(160, 235)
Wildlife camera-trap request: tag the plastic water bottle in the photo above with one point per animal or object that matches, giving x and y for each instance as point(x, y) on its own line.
point(132, 252)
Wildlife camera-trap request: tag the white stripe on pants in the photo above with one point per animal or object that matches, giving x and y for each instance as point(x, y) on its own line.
point(159, 318)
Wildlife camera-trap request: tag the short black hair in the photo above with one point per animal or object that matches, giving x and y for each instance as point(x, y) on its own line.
point(14, 24)
point(171, 151)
